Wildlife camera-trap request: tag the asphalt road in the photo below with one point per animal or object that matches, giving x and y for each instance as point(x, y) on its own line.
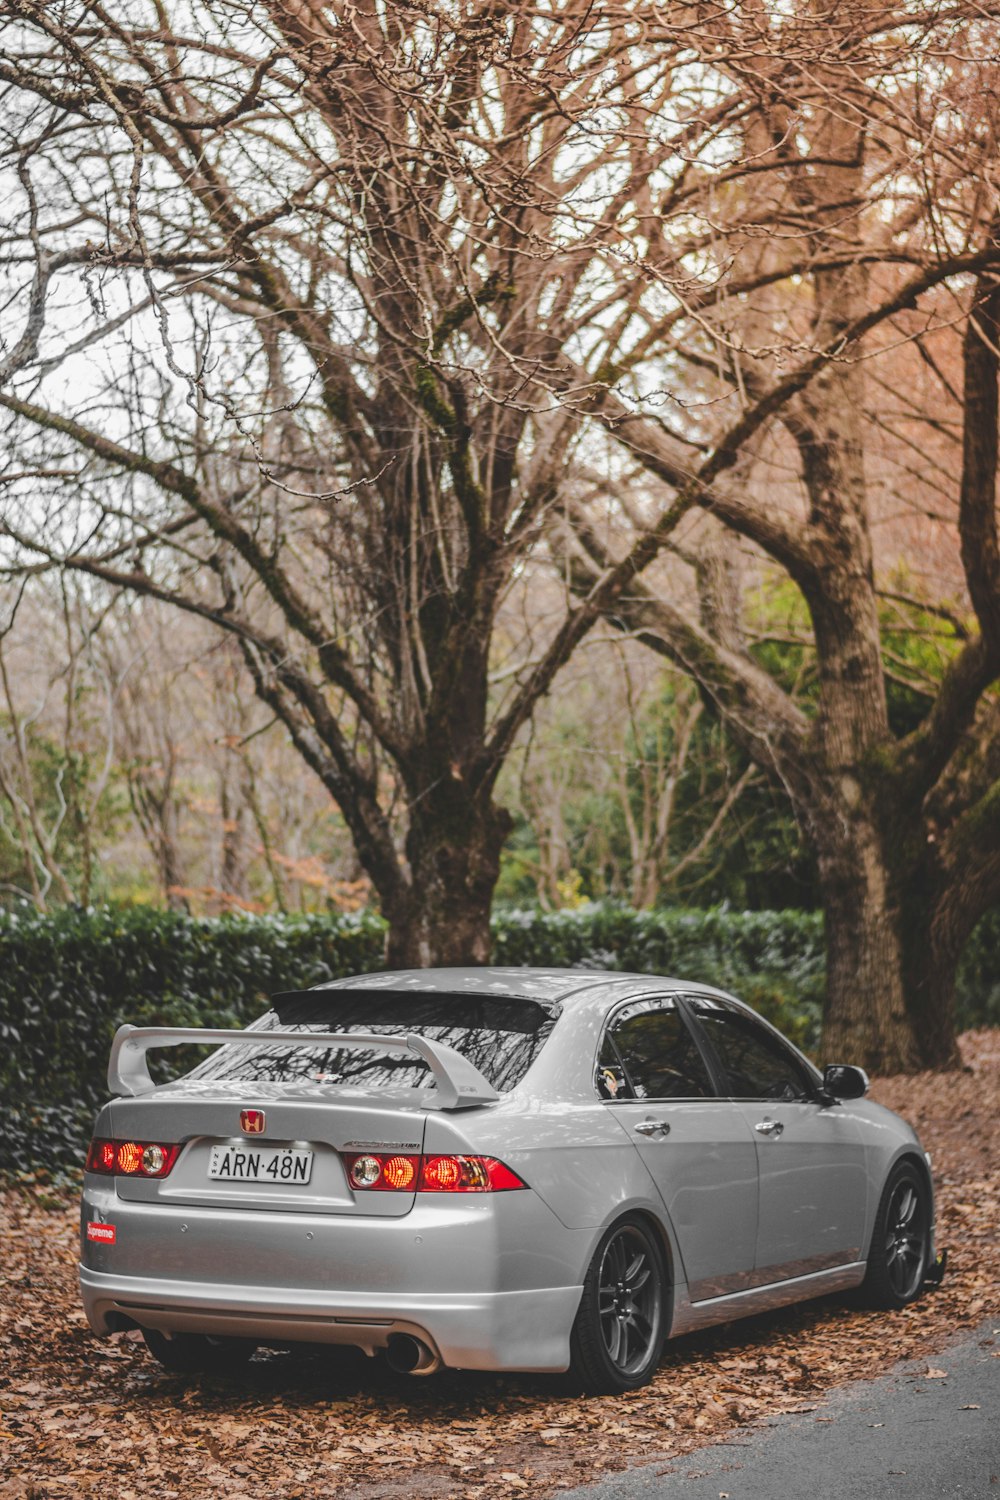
point(904, 1436)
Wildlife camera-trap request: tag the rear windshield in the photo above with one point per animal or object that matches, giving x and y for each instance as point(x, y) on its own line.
point(501, 1037)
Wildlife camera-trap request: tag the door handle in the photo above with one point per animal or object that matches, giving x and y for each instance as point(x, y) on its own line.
point(769, 1127)
point(653, 1128)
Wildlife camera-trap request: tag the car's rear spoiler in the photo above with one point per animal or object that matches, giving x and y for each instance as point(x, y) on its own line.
point(459, 1084)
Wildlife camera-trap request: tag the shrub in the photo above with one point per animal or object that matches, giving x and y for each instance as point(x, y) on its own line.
point(67, 981)
point(773, 960)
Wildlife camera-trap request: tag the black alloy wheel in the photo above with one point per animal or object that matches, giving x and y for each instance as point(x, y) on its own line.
point(618, 1334)
point(906, 1240)
point(897, 1260)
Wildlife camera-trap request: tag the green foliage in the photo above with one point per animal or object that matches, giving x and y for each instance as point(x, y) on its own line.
point(755, 860)
point(62, 792)
point(773, 960)
point(781, 630)
point(67, 981)
point(519, 865)
point(918, 644)
point(977, 994)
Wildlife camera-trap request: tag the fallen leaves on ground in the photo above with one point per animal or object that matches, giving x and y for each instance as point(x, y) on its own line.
point(81, 1416)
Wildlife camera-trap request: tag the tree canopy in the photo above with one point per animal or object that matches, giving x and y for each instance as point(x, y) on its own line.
point(347, 327)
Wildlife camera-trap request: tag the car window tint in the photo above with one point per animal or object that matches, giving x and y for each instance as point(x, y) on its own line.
point(758, 1064)
point(501, 1037)
point(659, 1053)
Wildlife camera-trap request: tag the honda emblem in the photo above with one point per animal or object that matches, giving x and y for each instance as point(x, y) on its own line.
point(252, 1121)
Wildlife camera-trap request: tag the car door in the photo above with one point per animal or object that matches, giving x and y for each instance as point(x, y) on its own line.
point(697, 1146)
point(813, 1184)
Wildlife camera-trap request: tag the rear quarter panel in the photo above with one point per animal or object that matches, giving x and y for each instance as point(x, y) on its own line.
point(573, 1158)
point(554, 1131)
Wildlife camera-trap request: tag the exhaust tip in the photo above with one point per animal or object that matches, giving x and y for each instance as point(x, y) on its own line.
point(409, 1356)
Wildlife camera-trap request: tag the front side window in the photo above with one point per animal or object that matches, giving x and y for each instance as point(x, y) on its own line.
point(500, 1036)
point(758, 1064)
point(649, 1053)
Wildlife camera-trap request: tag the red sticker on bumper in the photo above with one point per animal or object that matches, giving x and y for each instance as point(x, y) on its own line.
point(104, 1233)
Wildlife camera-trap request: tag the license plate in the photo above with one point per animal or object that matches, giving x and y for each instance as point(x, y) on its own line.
point(283, 1164)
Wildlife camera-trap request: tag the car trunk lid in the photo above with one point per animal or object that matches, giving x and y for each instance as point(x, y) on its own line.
point(298, 1124)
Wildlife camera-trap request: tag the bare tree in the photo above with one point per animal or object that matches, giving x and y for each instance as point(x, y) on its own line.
point(905, 825)
point(601, 780)
point(346, 291)
point(59, 737)
point(230, 816)
point(153, 728)
point(359, 226)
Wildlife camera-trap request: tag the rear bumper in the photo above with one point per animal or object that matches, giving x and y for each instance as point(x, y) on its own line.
point(490, 1282)
point(523, 1330)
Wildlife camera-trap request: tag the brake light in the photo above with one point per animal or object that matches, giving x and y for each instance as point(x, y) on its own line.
point(372, 1172)
point(467, 1174)
point(444, 1174)
point(131, 1158)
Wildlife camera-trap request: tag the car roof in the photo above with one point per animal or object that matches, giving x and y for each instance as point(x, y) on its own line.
point(586, 994)
point(549, 986)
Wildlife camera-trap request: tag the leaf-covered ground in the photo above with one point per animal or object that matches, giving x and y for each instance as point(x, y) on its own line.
point(81, 1416)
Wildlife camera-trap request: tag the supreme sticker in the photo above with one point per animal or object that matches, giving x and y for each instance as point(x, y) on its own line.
point(104, 1233)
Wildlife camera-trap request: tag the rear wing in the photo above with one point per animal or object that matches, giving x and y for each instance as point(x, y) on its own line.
point(459, 1084)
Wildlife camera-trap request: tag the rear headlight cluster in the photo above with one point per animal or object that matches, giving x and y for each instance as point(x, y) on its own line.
point(372, 1172)
point(131, 1158)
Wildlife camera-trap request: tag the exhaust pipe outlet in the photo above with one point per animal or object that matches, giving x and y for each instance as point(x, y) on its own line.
point(409, 1356)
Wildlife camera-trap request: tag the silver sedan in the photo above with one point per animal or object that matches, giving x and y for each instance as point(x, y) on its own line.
point(491, 1169)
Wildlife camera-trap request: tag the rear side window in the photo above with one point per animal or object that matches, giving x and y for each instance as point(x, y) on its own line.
point(657, 1053)
point(501, 1037)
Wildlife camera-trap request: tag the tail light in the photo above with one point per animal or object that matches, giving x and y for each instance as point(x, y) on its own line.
point(370, 1172)
point(131, 1158)
point(466, 1174)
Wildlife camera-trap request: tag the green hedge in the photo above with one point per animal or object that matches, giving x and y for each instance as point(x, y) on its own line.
point(67, 981)
point(773, 960)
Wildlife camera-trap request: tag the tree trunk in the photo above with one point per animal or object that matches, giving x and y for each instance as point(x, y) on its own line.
point(896, 924)
point(930, 968)
point(453, 851)
point(171, 873)
point(956, 882)
point(866, 1020)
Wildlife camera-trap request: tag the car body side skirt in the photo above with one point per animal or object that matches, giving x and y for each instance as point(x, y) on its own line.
point(689, 1315)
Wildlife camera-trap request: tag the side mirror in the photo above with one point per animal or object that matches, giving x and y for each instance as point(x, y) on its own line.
point(841, 1081)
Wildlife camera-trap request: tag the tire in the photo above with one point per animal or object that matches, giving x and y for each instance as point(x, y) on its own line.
point(897, 1257)
point(197, 1353)
point(620, 1325)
